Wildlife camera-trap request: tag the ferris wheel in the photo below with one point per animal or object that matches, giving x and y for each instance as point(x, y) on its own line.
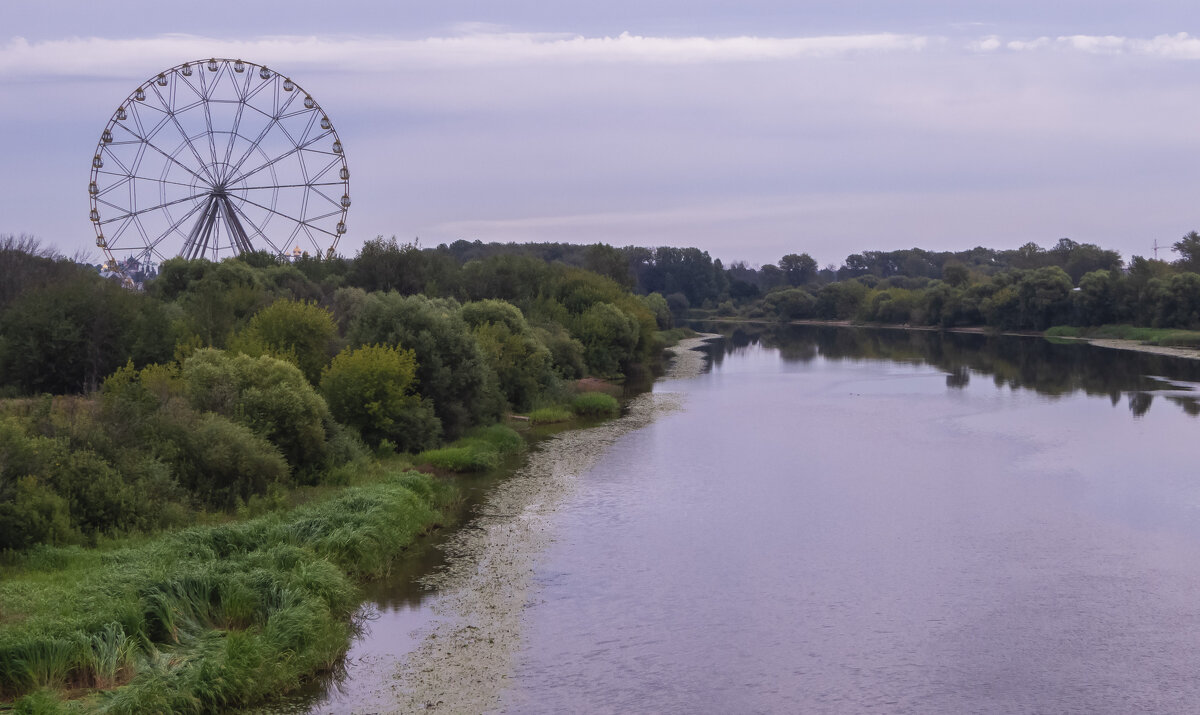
point(213, 158)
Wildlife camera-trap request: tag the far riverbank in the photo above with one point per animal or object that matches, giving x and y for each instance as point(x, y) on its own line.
point(1111, 343)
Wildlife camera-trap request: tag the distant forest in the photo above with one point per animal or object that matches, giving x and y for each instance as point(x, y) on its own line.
point(1029, 288)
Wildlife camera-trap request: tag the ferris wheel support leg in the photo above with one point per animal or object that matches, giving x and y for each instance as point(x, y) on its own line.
point(197, 240)
point(234, 226)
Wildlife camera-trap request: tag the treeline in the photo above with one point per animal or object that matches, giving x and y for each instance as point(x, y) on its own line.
point(1148, 293)
point(1028, 288)
point(220, 382)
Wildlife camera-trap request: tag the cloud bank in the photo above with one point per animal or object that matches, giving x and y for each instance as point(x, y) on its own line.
point(106, 57)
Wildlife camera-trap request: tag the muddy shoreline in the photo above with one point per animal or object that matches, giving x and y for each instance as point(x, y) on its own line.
point(465, 657)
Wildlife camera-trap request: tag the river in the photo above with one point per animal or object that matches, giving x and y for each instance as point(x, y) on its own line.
point(846, 520)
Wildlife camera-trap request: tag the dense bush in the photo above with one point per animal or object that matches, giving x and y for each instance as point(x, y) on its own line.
point(300, 332)
point(67, 337)
point(452, 372)
point(520, 361)
point(268, 395)
point(372, 388)
point(222, 463)
point(609, 338)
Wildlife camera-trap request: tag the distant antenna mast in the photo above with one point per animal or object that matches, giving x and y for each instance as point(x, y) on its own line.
point(1156, 247)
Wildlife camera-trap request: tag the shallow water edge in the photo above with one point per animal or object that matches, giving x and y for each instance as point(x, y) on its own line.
point(466, 655)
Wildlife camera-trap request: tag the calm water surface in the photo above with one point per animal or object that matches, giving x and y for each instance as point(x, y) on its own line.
point(856, 521)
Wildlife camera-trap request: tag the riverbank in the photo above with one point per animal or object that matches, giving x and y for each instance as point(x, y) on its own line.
point(207, 618)
point(464, 659)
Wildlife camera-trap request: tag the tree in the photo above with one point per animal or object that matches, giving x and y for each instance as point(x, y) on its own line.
point(791, 304)
point(521, 362)
point(1096, 299)
point(67, 337)
point(955, 274)
point(609, 338)
point(658, 305)
point(1188, 249)
point(373, 389)
point(799, 269)
point(300, 332)
point(268, 395)
point(452, 373)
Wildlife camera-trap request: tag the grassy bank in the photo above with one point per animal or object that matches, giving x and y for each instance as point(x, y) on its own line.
point(207, 618)
point(1165, 337)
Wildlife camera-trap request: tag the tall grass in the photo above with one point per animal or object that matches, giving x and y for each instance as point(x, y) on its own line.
point(208, 618)
point(595, 404)
point(550, 415)
point(480, 450)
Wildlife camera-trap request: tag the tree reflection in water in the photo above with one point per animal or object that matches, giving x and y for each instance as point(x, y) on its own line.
point(1015, 362)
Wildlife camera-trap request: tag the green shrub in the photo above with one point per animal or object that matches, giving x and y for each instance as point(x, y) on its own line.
point(522, 364)
point(297, 331)
point(269, 396)
point(221, 462)
point(595, 404)
point(451, 371)
point(373, 389)
point(566, 353)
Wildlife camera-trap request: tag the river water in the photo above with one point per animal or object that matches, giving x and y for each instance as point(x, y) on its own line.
point(844, 520)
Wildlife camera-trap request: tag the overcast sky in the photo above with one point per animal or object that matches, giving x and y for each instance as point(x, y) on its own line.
point(749, 129)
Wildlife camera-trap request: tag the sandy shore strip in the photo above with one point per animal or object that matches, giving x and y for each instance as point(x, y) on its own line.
point(1136, 346)
point(465, 659)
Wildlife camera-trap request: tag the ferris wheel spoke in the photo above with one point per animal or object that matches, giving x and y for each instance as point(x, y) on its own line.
point(286, 216)
point(261, 135)
point(112, 156)
point(212, 137)
point(330, 199)
point(257, 230)
point(262, 85)
point(125, 179)
point(337, 159)
point(245, 175)
point(134, 177)
point(322, 216)
point(182, 133)
point(160, 123)
point(312, 122)
point(177, 223)
point(147, 143)
point(148, 209)
point(290, 186)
